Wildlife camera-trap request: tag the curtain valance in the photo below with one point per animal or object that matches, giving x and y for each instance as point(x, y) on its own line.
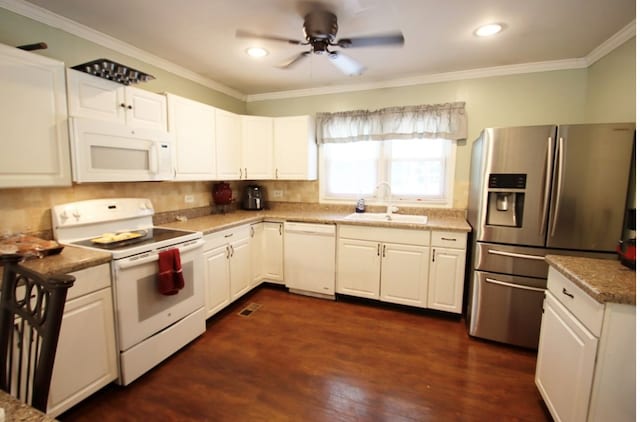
point(447, 121)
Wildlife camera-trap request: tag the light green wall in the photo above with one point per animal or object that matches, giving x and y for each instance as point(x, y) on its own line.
point(611, 88)
point(529, 99)
point(72, 50)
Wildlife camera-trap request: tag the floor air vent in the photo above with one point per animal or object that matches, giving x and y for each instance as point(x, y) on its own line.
point(249, 309)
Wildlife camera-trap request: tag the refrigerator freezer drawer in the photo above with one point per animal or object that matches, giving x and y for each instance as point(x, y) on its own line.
point(506, 308)
point(515, 260)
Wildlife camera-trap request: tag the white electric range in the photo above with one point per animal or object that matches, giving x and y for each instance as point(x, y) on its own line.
point(150, 326)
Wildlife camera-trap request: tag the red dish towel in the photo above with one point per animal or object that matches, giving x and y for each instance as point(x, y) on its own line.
point(170, 279)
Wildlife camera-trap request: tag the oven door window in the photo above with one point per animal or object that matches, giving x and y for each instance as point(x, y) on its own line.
point(141, 310)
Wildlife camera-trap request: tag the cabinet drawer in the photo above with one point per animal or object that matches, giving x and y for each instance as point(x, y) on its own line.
point(223, 237)
point(580, 304)
point(402, 236)
point(456, 240)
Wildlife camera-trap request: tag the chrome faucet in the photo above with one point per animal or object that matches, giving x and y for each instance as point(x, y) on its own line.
point(387, 198)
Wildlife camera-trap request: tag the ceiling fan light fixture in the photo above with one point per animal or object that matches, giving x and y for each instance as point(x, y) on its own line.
point(488, 30)
point(256, 52)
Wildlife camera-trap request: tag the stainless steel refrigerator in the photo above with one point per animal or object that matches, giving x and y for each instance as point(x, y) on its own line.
point(534, 191)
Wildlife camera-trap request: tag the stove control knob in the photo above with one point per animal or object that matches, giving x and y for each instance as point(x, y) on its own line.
point(148, 205)
point(64, 215)
point(76, 213)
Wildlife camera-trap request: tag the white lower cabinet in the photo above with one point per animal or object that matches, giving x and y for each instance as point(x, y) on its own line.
point(273, 252)
point(257, 258)
point(227, 259)
point(446, 272)
point(86, 357)
point(373, 263)
point(586, 355)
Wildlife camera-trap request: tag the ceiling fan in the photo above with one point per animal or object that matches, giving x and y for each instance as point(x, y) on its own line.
point(320, 29)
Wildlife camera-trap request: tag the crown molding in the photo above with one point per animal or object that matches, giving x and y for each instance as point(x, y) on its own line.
point(615, 41)
point(56, 21)
point(44, 16)
point(486, 72)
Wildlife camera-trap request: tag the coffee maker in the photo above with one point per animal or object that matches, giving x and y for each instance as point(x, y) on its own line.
point(253, 198)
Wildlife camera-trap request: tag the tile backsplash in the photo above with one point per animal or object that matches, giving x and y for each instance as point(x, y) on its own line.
point(28, 210)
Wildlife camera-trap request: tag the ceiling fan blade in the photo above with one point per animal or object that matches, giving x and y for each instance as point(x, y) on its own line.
point(394, 39)
point(246, 34)
point(293, 60)
point(346, 64)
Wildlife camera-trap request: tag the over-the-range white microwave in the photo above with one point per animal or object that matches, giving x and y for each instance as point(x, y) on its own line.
point(104, 151)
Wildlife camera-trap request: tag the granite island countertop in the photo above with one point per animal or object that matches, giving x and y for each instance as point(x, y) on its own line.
point(605, 280)
point(69, 260)
point(15, 410)
point(444, 220)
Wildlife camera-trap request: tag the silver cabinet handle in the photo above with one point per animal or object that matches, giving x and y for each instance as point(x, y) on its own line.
point(245, 172)
point(228, 252)
point(240, 173)
point(378, 249)
point(515, 286)
point(448, 239)
point(280, 229)
point(276, 173)
point(556, 211)
point(253, 231)
point(231, 247)
point(228, 235)
point(566, 292)
point(547, 185)
point(516, 255)
point(433, 255)
point(384, 251)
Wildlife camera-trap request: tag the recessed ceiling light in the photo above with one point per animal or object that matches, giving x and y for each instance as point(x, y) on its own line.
point(488, 30)
point(257, 52)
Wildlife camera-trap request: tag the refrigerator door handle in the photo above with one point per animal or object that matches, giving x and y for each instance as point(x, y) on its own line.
point(515, 286)
point(516, 255)
point(556, 209)
point(547, 186)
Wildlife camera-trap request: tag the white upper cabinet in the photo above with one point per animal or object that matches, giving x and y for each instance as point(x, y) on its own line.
point(192, 125)
point(96, 98)
point(229, 145)
point(33, 121)
point(257, 148)
point(295, 149)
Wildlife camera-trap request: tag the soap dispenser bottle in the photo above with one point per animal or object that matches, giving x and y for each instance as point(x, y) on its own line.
point(360, 207)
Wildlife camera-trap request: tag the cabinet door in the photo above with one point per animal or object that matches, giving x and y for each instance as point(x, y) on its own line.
point(95, 98)
point(240, 267)
point(193, 127)
point(257, 147)
point(358, 269)
point(446, 280)
point(145, 109)
point(86, 354)
point(217, 283)
point(257, 250)
point(33, 121)
point(273, 252)
point(228, 145)
point(565, 363)
point(404, 274)
point(295, 151)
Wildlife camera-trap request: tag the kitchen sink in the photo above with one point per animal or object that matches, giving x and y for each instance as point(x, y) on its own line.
point(384, 217)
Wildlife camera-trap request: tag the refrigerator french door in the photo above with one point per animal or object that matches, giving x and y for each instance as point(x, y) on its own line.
point(535, 191)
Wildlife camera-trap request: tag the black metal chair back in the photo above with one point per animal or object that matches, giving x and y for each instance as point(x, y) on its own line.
point(31, 308)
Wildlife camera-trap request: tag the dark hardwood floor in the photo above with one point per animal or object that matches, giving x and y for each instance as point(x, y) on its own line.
point(304, 359)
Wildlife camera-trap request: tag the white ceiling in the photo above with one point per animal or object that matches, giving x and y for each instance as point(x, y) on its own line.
point(199, 35)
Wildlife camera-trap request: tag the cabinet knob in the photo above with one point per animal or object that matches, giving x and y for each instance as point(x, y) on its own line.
point(129, 106)
point(123, 105)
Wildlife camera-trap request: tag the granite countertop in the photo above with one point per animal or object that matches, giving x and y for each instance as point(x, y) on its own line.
point(15, 410)
point(215, 222)
point(69, 260)
point(605, 280)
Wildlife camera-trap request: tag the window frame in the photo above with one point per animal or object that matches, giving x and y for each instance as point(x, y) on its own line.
point(379, 195)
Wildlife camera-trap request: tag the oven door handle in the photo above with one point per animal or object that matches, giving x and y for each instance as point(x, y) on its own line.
point(151, 257)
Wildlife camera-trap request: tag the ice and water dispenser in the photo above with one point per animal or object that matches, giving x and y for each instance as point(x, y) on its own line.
point(505, 199)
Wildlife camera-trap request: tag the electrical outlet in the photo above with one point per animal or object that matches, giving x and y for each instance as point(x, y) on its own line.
point(277, 194)
point(188, 199)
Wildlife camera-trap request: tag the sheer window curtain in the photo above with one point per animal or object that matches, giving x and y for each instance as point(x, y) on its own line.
point(442, 121)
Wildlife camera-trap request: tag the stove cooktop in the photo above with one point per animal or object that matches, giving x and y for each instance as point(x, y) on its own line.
point(154, 237)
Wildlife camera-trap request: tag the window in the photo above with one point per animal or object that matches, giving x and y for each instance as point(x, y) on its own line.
point(395, 153)
point(416, 170)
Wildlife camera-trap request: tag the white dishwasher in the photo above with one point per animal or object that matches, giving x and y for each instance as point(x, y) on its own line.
point(310, 259)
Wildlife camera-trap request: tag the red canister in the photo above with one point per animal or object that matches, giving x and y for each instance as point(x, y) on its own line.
point(222, 193)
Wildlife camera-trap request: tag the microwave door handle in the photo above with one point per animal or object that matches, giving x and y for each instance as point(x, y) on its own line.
point(559, 187)
point(547, 185)
point(153, 158)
